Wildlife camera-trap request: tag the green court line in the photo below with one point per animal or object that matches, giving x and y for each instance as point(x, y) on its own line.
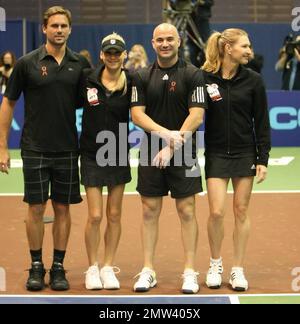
point(270, 300)
point(279, 177)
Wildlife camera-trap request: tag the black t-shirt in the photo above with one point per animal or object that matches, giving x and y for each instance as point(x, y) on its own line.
point(103, 111)
point(168, 93)
point(51, 94)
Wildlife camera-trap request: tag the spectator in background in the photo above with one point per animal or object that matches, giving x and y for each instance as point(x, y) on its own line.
point(7, 63)
point(201, 16)
point(289, 64)
point(137, 58)
point(85, 53)
point(256, 62)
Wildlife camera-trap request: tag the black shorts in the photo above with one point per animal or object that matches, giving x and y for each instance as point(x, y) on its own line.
point(93, 175)
point(59, 170)
point(181, 181)
point(229, 167)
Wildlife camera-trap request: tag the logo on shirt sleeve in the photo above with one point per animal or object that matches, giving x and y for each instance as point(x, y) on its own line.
point(134, 95)
point(213, 92)
point(92, 96)
point(198, 95)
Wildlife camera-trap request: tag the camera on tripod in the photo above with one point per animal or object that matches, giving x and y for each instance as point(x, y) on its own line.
point(179, 13)
point(183, 5)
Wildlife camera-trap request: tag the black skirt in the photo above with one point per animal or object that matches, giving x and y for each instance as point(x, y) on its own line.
point(93, 175)
point(221, 166)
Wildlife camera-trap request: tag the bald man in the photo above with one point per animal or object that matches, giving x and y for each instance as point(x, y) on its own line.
point(168, 102)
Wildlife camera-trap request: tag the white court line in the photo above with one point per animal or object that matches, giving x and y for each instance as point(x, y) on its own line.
point(270, 295)
point(152, 296)
point(271, 191)
point(110, 296)
point(282, 161)
point(134, 193)
point(234, 299)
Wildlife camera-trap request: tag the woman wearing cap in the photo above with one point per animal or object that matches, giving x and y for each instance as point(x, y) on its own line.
point(237, 145)
point(104, 162)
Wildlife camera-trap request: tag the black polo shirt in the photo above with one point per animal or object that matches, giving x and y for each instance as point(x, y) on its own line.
point(51, 94)
point(168, 93)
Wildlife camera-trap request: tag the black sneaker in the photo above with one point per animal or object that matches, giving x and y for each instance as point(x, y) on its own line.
point(36, 280)
point(58, 279)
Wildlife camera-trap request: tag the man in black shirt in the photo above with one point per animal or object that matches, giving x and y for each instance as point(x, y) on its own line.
point(167, 102)
point(49, 78)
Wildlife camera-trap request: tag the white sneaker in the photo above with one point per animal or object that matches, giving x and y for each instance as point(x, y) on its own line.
point(238, 280)
point(214, 274)
point(190, 282)
point(108, 277)
point(147, 280)
point(92, 278)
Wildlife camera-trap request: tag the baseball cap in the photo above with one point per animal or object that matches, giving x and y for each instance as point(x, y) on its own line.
point(113, 43)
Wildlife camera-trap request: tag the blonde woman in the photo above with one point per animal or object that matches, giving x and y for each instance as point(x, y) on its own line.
point(106, 106)
point(237, 145)
point(137, 58)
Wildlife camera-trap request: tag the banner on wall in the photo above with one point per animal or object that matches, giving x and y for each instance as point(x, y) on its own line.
point(284, 111)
